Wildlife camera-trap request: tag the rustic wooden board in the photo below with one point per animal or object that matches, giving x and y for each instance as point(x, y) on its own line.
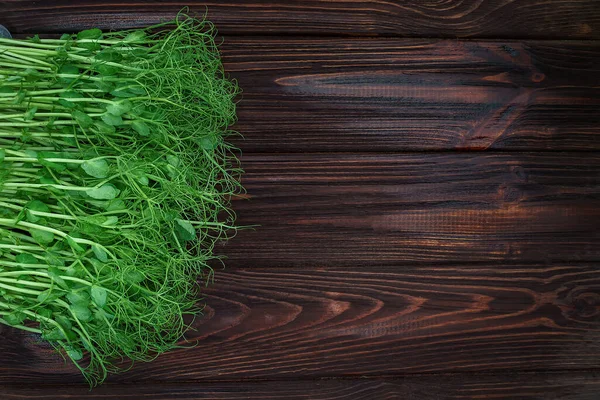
point(455, 18)
point(352, 321)
point(427, 275)
point(392, 94)
point(524, 386)
point(368, 95)
point(336, 209)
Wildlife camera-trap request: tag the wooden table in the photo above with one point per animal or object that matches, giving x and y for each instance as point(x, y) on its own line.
point(427, 178)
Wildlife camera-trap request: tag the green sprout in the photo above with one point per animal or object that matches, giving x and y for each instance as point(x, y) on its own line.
point(115, 186)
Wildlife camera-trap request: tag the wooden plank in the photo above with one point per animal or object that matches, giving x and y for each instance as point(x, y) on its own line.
point(394, 95)
point(559, 19)
point(524, 386)
point(266, 323)
point(413, 94)
point(333, 209)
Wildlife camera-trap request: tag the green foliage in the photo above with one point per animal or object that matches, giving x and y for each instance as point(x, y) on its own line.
point(115, 186)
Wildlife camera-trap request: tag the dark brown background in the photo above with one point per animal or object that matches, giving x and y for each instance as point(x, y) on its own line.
point(427, 178)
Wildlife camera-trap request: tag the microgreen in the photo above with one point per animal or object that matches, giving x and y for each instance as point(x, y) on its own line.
point(115, 186)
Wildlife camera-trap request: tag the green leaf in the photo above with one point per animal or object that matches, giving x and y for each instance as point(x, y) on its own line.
point(74, 353)
point(65, 322)
point(109, 55)
point(53, 258)
point(99, 266)
point(105, 192)
point(71, 141)
point(140, 52)
point(15, 318)
point(185, 230)
point(44, 312)
point(68, 69)
point(81, 312)
point(172, 171)
point(35, 205)
point(55, 274)
point(2, 154)
point(170, 215)
point(94, 33)
point(97, 168)
point(110, 119)
point(82, 119)
point(26, 258)
point(208, 143)
point(135, 36)
point(47, 296)
point(104, 128)
point(141, 128)
point(67, 103)
point(32, 75)
point(119, 108)
point(74, 245)
point(47, 180)
point(31, 153)
point(42, 237)
point(99, 295)
point(90, 229)
point(20, 216)
point(53, 334)
point(30, 114)
point(116, 205)
point(142, 179)
point(100, 253)
point(111, 220)
point(133, 276)
point(81, 297)
point(31, 217)
point(108, 70)
point(19, 97)
point(91, 46)
point(173, 160)
point(106, 87)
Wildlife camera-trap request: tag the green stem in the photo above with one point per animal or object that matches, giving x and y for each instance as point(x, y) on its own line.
point(22, 327)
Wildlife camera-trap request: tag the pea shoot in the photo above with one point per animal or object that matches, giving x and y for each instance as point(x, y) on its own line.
point(115, 186)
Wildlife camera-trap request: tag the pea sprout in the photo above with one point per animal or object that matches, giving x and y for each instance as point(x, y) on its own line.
point(116, 180)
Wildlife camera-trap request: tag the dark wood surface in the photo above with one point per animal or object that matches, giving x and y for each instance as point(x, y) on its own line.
point(428, 208)
point(411, 94)
point(544, 19)
point(335, 209)
point(522, 386)
point(354, 321)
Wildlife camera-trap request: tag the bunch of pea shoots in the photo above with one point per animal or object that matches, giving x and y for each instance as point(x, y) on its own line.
point(116, 182)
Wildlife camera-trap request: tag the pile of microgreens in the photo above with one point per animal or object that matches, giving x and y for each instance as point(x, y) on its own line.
point(115, 183)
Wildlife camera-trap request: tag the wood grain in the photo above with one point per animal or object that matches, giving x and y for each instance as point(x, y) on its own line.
point(395, 95)
point(560, 19)
point(523, 386)
point(266, 323)
point(368, 95)
point(377, 275)
point(339, 209)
